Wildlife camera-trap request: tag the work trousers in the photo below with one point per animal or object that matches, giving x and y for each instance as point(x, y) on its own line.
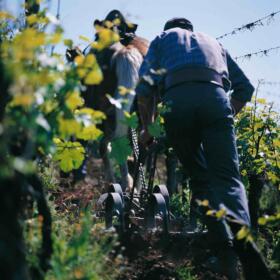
point(200, 127)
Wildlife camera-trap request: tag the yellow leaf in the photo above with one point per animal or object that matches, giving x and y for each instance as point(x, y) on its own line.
point(129, 24)
point(276, 143)
point(108, 24)
point(94, 77)
point(57, 141)
point(249, 238)
point(79, 60)
point(204, 202)
point(55, 38)
point(117, 21)
point(32, 19)
point(124, 91)
point(68, 43)
point(242, 233)
point(5, 15)
point(90, 133)
point(68, 127)
point(221, 213)
point(262, 221)
point(27, 41)
point(261, 101)
point(24, 100)
point(74, 100)
point(49, 106)
point(96, 116)
point(211, 213)
point(106, 38)
point(70, 155)
point(90, 60)
point(84, 38)
point(82, 72)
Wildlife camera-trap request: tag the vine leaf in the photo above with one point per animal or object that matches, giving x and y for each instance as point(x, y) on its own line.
point(120, 149)
point(131, 120)
point(90, 133)
point(94, 77)
point(156, 129)
point(70, 155)
point(74, 100)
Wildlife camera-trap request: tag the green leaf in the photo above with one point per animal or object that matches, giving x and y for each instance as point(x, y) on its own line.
point(68, 43)
point(131, 120)
point(155, 129)
point(120, 149)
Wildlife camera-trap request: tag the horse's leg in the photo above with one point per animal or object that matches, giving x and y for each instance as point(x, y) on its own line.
point(126, 179)
point(107, 164)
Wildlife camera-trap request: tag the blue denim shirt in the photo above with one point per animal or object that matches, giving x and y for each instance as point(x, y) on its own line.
point(177, 48)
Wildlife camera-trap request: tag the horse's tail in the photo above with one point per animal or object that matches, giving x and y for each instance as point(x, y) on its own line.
point(127, 62)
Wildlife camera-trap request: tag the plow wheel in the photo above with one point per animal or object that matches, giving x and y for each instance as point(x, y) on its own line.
point(116, 188)
point(157, 207)
point(164, 191)
point(114, 211)
point(113, 188)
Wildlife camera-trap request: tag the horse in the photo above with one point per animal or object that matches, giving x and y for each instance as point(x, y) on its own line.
point(120, 64)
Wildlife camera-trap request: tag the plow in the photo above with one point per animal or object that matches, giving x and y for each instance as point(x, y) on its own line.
point(146, 205)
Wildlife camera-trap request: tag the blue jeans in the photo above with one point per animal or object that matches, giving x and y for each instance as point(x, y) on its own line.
point(199, 126)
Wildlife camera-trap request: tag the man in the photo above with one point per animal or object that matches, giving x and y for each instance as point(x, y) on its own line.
point(199, 126)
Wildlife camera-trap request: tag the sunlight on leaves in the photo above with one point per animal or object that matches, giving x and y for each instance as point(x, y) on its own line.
point(70, 155)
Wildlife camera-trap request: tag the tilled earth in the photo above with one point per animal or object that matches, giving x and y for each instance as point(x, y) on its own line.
point(157, 257)
point(148, 256)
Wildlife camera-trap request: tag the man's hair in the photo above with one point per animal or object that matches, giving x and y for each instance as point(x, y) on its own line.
point(178, 22)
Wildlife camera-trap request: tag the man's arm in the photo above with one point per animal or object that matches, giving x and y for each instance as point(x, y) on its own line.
point(146, 107)
point(147, 115)
point(240, 84)
point(146, 90)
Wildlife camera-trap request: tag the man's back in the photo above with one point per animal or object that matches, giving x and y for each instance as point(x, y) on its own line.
point(177, 48)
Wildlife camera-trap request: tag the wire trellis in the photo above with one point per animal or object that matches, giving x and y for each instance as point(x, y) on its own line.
point(265, 52)
point(251, 26)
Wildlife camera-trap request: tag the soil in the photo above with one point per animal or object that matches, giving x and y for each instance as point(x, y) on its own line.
point(148, 256)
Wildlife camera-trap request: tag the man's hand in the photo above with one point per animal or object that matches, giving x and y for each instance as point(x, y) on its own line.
point(145, 138)
point(236, 105)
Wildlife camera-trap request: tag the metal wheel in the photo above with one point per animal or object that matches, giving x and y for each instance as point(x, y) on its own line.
point(114, 210)
point(157, 206)
point(115, 188)
point(164, 191)
point(101, 200)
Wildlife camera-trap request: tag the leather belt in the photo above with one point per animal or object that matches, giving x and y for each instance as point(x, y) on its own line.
point(195, 74)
